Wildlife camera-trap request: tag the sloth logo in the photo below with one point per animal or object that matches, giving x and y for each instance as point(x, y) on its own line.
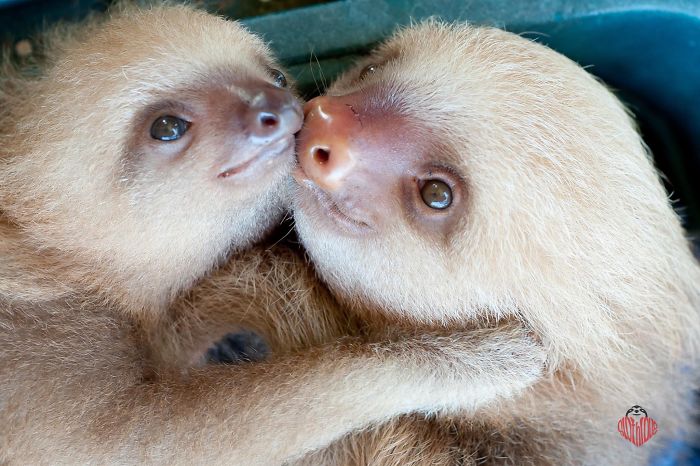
point(636, 426)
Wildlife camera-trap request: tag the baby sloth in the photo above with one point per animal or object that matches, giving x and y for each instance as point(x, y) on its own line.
point(140, 152)
point(461, 174)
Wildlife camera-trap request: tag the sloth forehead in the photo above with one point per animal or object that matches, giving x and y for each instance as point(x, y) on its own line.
point(457, 47)
point(473, 68)
point(163, 43)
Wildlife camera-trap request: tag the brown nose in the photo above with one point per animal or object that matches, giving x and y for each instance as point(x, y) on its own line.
point(273, 113)
point(323, 151)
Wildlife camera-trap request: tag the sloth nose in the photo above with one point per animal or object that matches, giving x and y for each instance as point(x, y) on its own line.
point(323, 150)
point(272, 114)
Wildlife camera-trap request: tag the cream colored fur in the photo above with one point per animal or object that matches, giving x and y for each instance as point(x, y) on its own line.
point(567, 229)
point(99, 232)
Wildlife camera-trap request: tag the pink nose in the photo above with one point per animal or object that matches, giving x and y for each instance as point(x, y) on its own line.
point(323, 150)
point(272, 114)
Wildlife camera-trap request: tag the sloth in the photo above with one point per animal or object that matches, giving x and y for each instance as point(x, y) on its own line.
point(138, 152)
point(462, 174)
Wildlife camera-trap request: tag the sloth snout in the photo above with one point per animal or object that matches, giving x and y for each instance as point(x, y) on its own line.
point(324, 153)
point(273, 114)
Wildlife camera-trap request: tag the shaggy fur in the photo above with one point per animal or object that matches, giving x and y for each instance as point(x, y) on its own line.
point(562, 224)
point(101, 226)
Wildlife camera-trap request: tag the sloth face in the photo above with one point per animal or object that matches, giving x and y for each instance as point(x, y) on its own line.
point(222, 135)
point(167, 138)
point(458, 169)
point(636, 411)
point(201, 130)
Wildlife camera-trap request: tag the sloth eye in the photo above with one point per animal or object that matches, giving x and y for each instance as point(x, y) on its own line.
point(436, 194)
point(168, 128)
point(278, 78)
point(368, 70)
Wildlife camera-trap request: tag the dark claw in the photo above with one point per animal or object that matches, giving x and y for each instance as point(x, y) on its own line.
point(234, 348)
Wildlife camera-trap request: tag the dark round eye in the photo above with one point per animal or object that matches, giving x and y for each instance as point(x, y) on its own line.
point(168, 128)
point(367, 70)
point(436, 194)
point(278, 78)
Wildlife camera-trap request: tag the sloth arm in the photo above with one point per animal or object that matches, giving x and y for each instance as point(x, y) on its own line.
point(272, 292)
point(94, 399)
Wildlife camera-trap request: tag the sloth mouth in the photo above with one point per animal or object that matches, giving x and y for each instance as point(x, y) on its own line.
point(331, 209)
point(266, 153)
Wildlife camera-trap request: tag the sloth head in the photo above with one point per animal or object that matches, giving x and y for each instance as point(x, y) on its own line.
point(636, 410)
point(152, 143)
point(460, 172)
